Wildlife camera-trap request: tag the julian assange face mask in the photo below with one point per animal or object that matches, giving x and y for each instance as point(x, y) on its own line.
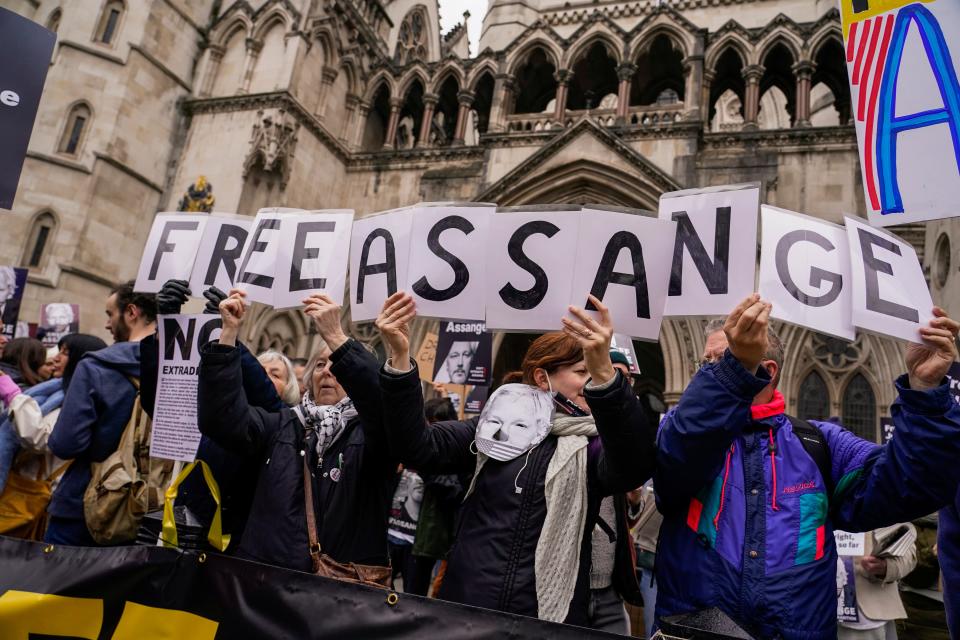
point(515, 419)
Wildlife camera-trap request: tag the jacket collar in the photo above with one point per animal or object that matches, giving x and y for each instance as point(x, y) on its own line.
point(773, 408)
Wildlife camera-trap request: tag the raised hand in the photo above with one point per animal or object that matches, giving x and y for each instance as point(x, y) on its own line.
point(928, 363)
point(746, 330)
point(394, 325)
point(172, 296)
point(232, 310)
point(214, 297)
point(595, 338)
point(326, 318)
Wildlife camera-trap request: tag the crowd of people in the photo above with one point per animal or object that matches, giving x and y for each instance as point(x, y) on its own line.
point(566, 499)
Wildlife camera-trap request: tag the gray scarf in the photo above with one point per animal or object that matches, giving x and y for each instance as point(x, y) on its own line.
point(328, 421)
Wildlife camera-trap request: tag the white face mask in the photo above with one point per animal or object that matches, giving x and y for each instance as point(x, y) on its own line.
point(515, 419)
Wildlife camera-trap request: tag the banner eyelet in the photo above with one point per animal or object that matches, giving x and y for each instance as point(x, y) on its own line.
point(48, 548)
point(392, 598)
point(202, 558)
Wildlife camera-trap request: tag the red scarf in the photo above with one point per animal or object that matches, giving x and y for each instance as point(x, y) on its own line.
point(773, 408)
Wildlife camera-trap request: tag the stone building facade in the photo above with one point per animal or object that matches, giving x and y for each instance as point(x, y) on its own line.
point(366, 104)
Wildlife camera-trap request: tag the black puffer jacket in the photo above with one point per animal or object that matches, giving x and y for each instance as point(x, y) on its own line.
point(351, 510)
point(492, 563)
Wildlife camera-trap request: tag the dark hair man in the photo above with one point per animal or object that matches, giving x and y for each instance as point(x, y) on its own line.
point(96, 409)
point(748, 513)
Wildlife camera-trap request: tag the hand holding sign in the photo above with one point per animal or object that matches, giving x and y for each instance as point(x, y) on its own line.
point(595, 339)
point(928, 363)
point(326, 317)
point(214, 297)
point(172, 296)
point(394, 325)
point(746, 330)
point(231, 312)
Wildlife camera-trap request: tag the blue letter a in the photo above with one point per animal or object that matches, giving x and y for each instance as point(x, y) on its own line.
point(889, 125)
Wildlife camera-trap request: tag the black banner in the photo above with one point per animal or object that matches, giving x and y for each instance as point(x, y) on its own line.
point(152, 592)
point(27, 48)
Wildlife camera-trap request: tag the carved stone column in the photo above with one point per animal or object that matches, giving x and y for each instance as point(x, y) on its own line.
point(390, 141)
point(693, 76)
point(426, 123)
point(214, 55)
point(562, 77)
point(704, 94)
point(803, 72)
point(327, 76)
point(502, 102)
point(751, 107)
point(625, 73)
point(465, 100)
point(363, 112)
point(253, 52)
point(347, 129)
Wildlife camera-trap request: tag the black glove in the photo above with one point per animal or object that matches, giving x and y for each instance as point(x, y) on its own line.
point(173, 294)
point(214, 297)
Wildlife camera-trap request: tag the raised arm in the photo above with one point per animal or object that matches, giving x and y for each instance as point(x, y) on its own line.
point(440, 447)
point(73, 433)
point(627, 431)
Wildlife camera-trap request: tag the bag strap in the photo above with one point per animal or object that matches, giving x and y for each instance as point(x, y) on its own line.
point(311, 517)
point(815, 444)
point(59, 471)
point(215, 536)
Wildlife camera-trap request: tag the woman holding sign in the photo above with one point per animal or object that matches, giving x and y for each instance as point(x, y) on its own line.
point(544, 453)
point(325, 479)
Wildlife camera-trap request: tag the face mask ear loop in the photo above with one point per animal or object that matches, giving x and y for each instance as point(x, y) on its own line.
point(473, 447)
point(549, 385)
point(516, 480)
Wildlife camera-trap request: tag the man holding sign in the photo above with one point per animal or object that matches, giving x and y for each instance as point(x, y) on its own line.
point(750, 496)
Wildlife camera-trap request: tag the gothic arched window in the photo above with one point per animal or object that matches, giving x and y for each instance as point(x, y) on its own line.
point(860, 408)
point(109, 21)
point(814, 398)
point(73, 132)
point(39, 239)
point(412, 39)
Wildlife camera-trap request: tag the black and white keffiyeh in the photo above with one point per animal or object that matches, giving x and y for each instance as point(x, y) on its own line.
point(327, 420)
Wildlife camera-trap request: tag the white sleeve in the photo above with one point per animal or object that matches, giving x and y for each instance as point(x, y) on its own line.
point(32, 427)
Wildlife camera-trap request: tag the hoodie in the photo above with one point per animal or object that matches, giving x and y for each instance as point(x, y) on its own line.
point(95, 411)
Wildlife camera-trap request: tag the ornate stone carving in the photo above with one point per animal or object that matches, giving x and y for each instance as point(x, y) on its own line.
point(272, 143)
point(198, 197)
point(836, 353)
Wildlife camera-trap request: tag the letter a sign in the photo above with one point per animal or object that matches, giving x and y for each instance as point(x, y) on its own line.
point(903, 59)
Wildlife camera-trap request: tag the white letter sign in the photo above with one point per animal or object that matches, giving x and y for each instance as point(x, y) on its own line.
point(170, 250)
point(313, 256)
point(218, 256)
point(379, 257)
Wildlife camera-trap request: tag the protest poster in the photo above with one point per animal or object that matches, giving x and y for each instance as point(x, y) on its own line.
point(850, 544)
point(529, 266)
point(624, 260)
point(464, 353)
point(624, 345)
point(312, 256)
point(379, 259)
point(426, 356)
point(903, 59)
point(260, 254)
point(847, 610)
point(175, 435)
point(12, 283)
point(476, 400)
point(405, 508)
point(219, 252)
point(171, 250)
point(448, 260)
point(805, 272)
point(28, 48)
point(953, 378)
point(714, 255)
point(58, 319)
point(887, 428)
point(890, 293)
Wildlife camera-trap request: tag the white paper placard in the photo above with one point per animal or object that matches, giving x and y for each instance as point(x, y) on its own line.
point(257, 271)
point(904, 60)
point(174, 435)
point(170, 250)
point(805, 272)
point(379, 259)
point(312, 257)
point(850, 544)
point(890, 294)
point(626, 257)
point(529, 270)
point(448, 261)
point(714, 257)
point(219, 252)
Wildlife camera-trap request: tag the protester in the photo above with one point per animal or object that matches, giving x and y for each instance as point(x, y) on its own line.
point(280, 371)
point(523, 543)
point(299, 368)
point(22, 360)
point(875, 584)
point(948, 544)
point(96, 409)
point(46, 370)
point(337, 437)
point(236, 477)
point(402, 529)
point(646, 534)
point(920, 590)
point(747, 518)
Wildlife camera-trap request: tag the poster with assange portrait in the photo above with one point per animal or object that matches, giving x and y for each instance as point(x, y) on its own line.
point(12, 283)
point(58, 319)
point(464, 354)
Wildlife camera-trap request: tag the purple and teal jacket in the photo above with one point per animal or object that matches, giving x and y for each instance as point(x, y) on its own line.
point(748, 525)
